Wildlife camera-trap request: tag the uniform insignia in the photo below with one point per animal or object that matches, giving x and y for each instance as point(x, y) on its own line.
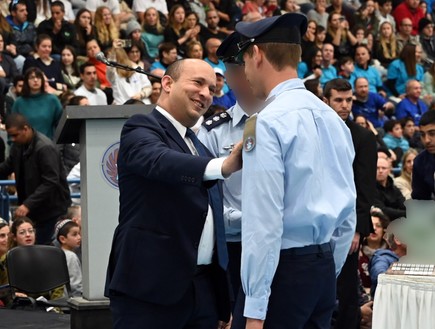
point(216, 120)
point(249, 140)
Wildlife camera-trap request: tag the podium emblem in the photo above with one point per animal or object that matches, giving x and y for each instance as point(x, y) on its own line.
point(109, 166)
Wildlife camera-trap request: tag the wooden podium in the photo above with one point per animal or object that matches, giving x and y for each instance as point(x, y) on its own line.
point(97, 129)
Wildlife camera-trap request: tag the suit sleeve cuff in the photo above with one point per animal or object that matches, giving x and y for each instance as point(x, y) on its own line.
point(213, 170)
point(255, 308)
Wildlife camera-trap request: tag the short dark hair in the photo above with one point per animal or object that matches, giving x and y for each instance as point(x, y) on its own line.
point(17, 78)
point(166, 47)
point(75, 100)
point(338, 84)
point(85, 65)
point(389, 125)
point(383, 2)
point(65, 228)
point(16, 120)
point(58, 4)
point(427, 118)
point(13, 5)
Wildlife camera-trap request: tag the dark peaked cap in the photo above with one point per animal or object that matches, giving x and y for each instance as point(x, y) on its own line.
point(287, 28)
point(228, 49)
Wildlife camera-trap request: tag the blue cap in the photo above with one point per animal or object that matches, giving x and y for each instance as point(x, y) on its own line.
point(228, 49)
point(287, 28)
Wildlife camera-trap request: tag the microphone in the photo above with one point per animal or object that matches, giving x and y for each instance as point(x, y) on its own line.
point(101, 58)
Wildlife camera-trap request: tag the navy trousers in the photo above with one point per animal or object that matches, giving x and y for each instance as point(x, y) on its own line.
point(303, 291)
point(196, 310)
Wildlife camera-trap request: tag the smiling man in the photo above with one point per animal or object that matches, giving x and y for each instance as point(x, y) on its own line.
point(168, 263)
point(423, 171)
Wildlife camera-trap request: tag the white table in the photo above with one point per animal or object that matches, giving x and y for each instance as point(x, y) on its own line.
point(404, 302)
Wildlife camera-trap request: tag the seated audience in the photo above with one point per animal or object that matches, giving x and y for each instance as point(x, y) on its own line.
point(42, 110)
point(404, 181)
point(388, 197)
point(372, 243)
point(383, 258)
point(411, 106)
point(67, 233)
point(394, 139)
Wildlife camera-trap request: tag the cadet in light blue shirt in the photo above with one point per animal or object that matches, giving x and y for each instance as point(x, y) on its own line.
point(219, 133)
point(298, 192)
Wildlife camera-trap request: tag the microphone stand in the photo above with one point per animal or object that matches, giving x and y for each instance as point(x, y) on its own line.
point(129, 68)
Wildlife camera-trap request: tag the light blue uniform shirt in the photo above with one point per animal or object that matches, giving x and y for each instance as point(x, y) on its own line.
point(297, 187)
point(219, 140)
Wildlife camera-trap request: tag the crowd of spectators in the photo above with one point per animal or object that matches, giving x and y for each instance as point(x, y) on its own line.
point(384, 48)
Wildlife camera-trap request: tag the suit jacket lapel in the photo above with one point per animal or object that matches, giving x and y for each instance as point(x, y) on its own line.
point(171, 132)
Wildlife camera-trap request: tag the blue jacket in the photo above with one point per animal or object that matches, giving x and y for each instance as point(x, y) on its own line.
point(380, 262)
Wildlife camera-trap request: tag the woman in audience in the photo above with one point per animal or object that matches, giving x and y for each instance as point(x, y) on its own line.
point(175, 31)
point(310, 66)
point(4, 247)
point(339, 35)
point(133, 33)
point(386, 46)
point(404, 181)
point(106, 28)
point(404, 68)
point(85, 31)
point(23, 233)
point(126, 84)
point(365, 16)
point(372, 243)
point(41, 109)
point(192, 22)
point(309, 38)
point(153, 32)
point(194, 50)
point(70, 69)
point(42, 60)
point(8, 68)
point(320, 36)
point(135, 54)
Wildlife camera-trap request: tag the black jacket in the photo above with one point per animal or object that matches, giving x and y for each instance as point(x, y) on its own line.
point(40, 177)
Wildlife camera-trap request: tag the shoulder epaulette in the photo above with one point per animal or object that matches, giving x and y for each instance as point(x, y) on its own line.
point(216, 120)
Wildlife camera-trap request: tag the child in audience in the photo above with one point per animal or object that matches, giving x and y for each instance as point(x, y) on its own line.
point(68, 234)
point(395, 141)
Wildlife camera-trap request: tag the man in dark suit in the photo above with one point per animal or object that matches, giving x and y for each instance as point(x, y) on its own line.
point(167, 267)
point(338, 95)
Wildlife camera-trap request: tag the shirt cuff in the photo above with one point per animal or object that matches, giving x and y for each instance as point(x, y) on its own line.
point(213, 170)
point(255, 308)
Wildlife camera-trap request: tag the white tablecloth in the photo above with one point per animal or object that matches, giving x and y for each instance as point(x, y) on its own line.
point(404, 302)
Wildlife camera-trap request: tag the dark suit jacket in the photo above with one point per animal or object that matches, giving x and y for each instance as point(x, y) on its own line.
point(163, 206)
point(364, 169)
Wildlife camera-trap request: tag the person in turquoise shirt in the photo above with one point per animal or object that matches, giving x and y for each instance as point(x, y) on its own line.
point(41, 109)
point(364, 70)
point(153, 32)
point(403, 69)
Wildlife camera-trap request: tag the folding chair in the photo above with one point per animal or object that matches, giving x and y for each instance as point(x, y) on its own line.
point(38, 269)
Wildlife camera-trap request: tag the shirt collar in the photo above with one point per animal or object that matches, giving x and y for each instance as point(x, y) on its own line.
point(237, 114)
point(178, 126)
point(285, 85)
